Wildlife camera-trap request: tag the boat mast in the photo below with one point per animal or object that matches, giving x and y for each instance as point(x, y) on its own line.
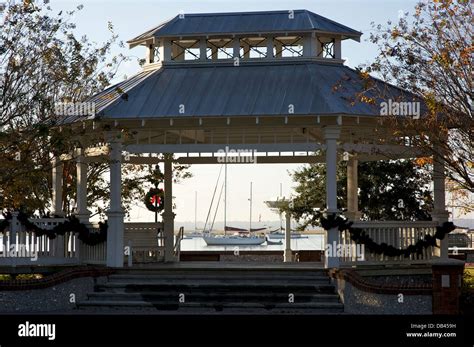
point(225, 195)
point(195, 209)
point(281, 222)
point(212, 200)
point(250, 229)
point(217, 208)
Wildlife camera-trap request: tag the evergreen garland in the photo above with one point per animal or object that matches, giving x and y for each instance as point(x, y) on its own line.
point(358, 235)
point(71, 225)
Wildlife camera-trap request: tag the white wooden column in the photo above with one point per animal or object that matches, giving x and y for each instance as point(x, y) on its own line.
point(164, 50)
point(337, 49)
point(115, 214)
point(269, 42)
point(287, 255)
point(81, 177)
point(309, 46)
point(203, 49)
point(236, 47)
point(57, 188)
point(331, 135)
point(352, 189)
point(440, 214)
point(168, 215)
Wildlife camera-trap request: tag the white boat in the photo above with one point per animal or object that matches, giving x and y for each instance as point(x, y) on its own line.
point(193, 235)
point(231, 240)
point(281, 235)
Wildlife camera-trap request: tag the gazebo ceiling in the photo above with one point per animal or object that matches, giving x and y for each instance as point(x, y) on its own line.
point(235, 23)
point(296, 88)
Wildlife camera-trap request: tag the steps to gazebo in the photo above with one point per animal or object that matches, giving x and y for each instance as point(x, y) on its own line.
point(226, 290)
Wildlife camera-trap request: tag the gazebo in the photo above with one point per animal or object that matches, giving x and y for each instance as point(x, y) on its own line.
point(273, 83)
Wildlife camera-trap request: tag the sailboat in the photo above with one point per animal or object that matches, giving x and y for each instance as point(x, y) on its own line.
point(242, 236)
point(279, 233)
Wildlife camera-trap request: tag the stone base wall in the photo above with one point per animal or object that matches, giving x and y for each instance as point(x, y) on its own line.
point(59, 298)
point(357, 301)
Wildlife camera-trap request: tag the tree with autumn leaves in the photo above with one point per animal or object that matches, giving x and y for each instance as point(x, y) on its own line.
point(428, 54)
point(43, 63)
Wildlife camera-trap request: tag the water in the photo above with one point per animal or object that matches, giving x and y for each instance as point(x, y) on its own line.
point(306, 243)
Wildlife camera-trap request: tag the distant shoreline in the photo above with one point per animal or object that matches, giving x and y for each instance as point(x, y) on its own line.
point(221, 232)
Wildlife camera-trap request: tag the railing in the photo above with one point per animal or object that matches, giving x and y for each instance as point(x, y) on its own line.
point(30, 249)
point(461, 240)
point(26, 248)
point(88, 254)
point(177, 245)
point(399, 234)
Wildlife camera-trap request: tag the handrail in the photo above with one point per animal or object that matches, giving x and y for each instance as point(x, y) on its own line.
point(177, 245)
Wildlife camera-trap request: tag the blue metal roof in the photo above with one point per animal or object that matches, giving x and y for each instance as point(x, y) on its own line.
point(257, 89)
point(247, 22)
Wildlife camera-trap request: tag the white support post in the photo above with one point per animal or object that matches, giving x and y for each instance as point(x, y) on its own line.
point(287, 255)
point(57, 188)
point(440, 214)
point(203, 49)
point(81, 172)
point(164, 50)
point(168, 215)
point(331, 135)
point(269, 42)
point(352, 190)
point(236, 47)
point(309, 46)
point(337, 49)
point(115, 247)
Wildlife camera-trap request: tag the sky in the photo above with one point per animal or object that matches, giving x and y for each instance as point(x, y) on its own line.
point(131, 18)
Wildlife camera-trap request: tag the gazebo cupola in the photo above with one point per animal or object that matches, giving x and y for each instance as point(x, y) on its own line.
point(254, 36)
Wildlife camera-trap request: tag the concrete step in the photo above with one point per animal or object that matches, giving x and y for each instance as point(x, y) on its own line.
point(203, 296)
point(213, 286)
point(218, 279)
point(221, 273)
point(225, 267)
point(218, 306)
point(211, 289)
point(290, 274)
